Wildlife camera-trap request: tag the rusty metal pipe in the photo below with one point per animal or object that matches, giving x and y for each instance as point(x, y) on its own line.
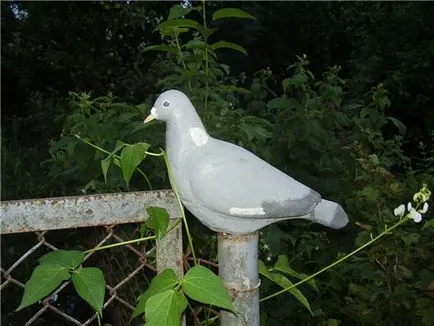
point(238, 268)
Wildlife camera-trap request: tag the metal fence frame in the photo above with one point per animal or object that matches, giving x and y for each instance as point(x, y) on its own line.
point(109, 210)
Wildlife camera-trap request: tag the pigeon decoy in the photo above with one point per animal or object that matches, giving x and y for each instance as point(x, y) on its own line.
point(228, 188)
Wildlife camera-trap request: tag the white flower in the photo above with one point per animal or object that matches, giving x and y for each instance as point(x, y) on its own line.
point(399, 211)
point(415, 216)
point(409, 207)
point(424, 209)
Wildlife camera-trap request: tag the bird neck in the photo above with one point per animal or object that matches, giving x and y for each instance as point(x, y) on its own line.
point(180, 132)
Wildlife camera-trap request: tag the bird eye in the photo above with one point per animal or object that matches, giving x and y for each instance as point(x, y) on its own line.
point(166, 104)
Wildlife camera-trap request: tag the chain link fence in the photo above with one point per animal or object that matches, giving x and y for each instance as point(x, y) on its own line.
point(31, 228)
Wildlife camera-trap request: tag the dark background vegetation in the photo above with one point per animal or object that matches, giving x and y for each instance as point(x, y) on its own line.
point(361, 134)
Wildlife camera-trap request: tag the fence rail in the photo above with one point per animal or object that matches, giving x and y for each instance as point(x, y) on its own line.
point(106, 211)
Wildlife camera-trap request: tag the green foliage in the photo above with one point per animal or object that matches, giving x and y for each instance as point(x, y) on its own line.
point(158, 220)
point(90, 285)
point(69, 259)
point(131, 157)
point(204, 286)
point(44, 280)
point(107, 125)
point(165, 280)
point(333, 146)
point(165, 308)
point(193, 67)
point(284, 282)
point(163, 302)
point(59, 266)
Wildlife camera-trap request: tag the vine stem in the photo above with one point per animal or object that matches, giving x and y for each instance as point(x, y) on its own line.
point(187, 229)
point(385, 232)
point(181, 56)
point(205, 104)
point(120, 244)
point(118, 157)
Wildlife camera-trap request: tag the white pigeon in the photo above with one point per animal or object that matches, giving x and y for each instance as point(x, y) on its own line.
point(228, 188)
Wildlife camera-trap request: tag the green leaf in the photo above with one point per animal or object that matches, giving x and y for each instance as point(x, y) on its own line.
point(282, 265)
point(398, 124)
point(105, 164)
point(90, 285)
point(283, 103)
point(207, 32)
point(186, 23)
point(131, 157)
point(165, 308)
point(66, 258)
point(194, 44)
point(202, 285)
point(428, 224)
point(158, 220)
point(255, 131)
point(370, 193)
point(177, 11)
point(297, 79)
point(362, 238)
point(166, 280)
point(228, 45)
point(281, 280)
point(162, 47)
point(231, 13)
point(44, 280)
point(409, 238)
point(333, 322)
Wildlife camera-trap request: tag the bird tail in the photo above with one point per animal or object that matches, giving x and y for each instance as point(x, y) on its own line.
point(329, 214)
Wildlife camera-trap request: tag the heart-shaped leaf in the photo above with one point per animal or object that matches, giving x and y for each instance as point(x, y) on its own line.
point(202, 285)
point(44, 280)
point(90, 285)
point(165, 308)
point(166, 280)
point(131, 157)
point(66, 258)
point(158, 220)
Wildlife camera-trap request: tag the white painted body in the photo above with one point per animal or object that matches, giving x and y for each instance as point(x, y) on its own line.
point(226, 187)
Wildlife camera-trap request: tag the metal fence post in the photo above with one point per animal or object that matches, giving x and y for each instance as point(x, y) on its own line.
point(238, 268)
point(170, 251)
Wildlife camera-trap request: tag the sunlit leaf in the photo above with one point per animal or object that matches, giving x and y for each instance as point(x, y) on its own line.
point(105, 164)
point(231, 13)
point(131, 157)
point(90, 285)
point(228, 45)
point(158, 220)
point(186, 23)
point(202, 285)
point(66, 258)
point(162, 47)
point(166, 280)
point(44, 280)
point(399, 125)
point(165, 308)
point(177, 11)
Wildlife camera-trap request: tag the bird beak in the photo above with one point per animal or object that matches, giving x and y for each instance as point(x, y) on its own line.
point(151, 116)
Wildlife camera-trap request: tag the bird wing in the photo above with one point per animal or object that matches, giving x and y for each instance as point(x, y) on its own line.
point(230, 180)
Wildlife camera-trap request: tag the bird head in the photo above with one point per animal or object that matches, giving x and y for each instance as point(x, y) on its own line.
point(169, 105)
